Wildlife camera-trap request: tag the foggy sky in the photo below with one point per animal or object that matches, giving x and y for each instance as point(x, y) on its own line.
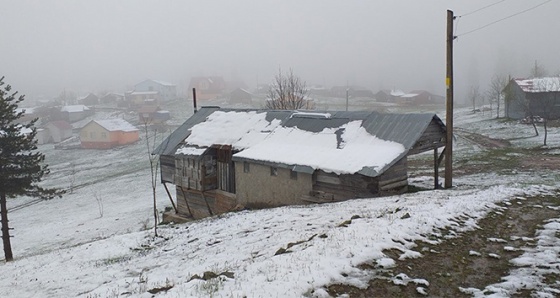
point(107, 45)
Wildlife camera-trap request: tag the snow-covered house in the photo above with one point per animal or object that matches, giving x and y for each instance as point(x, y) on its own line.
point(533, 97)
point(89, 100)
point(152, 115)
point(112, 98)
point(220, 159)
point(141, 98)
point(240, 96)
point(388, 95)
point(105, 134)
point(58, 131)
point(166, 91)
point(28, 114)
point(74, 113)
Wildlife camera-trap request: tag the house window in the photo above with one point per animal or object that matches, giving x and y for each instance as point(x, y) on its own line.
point(273, 171)
point(92, 135)
point(293, 175)
point(246, 168)
point(103, 135)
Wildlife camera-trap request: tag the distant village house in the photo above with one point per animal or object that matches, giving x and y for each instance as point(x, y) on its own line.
point(152, 115)
point(533, 97)
point(89, 100)
point(166, 91)
point(74, 113)
point(240, 96)
point(57, 131)
point(105, 134)
point(207, 87)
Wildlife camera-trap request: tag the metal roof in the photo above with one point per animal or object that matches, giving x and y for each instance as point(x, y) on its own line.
point(169, 145)
point(405, 129)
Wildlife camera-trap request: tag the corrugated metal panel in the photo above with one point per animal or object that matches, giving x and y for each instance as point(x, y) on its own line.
point(405, 129)
point(169, 145)
point(315, 124)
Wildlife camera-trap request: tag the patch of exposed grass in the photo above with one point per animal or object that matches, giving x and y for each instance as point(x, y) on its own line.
point(472, 259)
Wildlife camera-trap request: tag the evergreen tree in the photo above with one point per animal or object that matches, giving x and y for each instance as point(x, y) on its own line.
point(21, 165)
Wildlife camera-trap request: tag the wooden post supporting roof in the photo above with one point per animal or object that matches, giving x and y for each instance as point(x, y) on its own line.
point(436, 171)
point(170, 197)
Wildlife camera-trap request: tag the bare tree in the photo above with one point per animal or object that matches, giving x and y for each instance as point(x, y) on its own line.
point(151, 143)
point(288, 92)
point(495, 91)
point(547, 103)
point(474, 96)
point(538, 71)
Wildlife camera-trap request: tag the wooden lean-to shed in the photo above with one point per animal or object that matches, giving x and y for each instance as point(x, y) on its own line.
point(222, 159)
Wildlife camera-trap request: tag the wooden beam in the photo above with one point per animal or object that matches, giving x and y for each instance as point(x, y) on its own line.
point(170, 197)
point(186, 201)
point(436, 170)
point(394, 185)
point(440, 159)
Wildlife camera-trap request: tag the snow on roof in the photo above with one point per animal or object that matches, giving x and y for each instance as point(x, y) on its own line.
point(60, 124)
point(342, 150)
point(189, 150)
point(310, 114)
point(116, 125)
point(144, 92)
point(85, 96)
point(397, 93)
point(163, 83)
point(26, 111)
point(239, 129)
point(409, 95)
point(26, 131)
point(74, 108)
point(549, 84)
point(248, 129)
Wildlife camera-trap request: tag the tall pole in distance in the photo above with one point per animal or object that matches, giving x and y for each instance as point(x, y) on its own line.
point(449, 104)
point(194, 98)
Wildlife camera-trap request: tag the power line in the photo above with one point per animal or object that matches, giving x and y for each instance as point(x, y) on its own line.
point(503, 19)
point(482, 8)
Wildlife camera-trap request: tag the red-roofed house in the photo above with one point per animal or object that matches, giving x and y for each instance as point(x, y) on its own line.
point(105, 134)
point(208, 87)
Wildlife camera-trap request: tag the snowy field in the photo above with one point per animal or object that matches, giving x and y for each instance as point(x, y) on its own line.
point(96, 241)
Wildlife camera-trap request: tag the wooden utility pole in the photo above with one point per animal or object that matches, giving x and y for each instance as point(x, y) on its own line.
point(449, 104)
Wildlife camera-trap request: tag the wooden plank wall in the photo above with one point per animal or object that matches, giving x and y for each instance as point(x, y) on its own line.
point(343, 187)
point(199, 174)
point(198, 205)
point(167, 168)
point(433, 136)
point(332, 187)
point(395, 179)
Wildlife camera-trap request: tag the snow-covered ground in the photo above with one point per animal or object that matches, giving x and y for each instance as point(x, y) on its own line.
point(93, 242)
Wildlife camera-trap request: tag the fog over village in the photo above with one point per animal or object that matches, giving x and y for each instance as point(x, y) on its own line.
point(279, 148)
point(94, 46)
